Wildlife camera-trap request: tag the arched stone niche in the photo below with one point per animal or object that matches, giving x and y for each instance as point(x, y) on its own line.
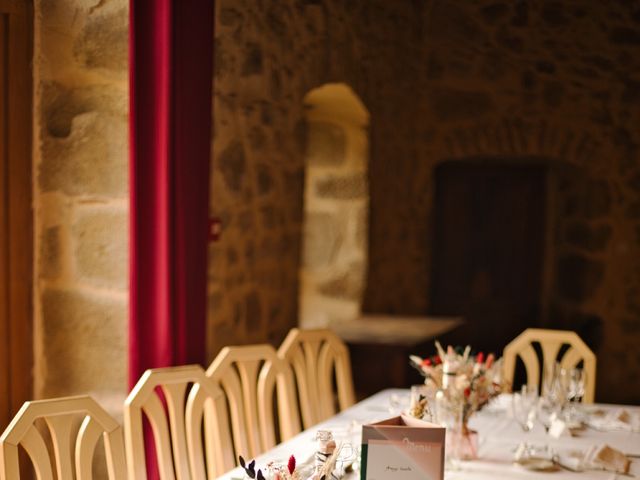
point(336, 207)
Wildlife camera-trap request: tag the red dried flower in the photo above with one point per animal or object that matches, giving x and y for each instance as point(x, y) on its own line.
point(292, 464)
point(426, 362)
point(480, 358)
point(467, 392)
point(490, 359)
point(437, 360)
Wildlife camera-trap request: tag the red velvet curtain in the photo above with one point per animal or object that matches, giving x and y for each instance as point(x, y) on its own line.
point(171, 57)
point(171, 71)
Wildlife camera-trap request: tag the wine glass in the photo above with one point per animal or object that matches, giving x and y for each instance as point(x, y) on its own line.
point(525, 407)
point(554, 389)
point(576, 378)
point(552, 395)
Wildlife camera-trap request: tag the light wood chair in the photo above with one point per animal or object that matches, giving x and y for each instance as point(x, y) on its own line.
point(180, 403)
point(550, 341)
point(316, 356)
point(251, 376)
point(60, 416)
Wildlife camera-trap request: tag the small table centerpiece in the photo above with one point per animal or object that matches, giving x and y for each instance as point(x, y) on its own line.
point(457, 384)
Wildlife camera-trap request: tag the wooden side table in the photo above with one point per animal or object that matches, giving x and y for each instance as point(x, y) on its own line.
point(380, 346)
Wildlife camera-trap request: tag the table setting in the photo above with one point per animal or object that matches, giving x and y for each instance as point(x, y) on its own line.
point(491, 431)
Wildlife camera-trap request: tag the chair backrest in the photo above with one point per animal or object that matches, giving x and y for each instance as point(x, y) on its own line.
point(60, 417)
point(550, 341)
point(179, 402)
point(315, 356)
point(250, 376)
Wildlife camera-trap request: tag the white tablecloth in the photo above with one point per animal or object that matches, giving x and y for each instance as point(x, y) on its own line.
point(499, 435)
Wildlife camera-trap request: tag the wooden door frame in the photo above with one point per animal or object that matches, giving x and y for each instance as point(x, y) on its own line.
point(16, 210)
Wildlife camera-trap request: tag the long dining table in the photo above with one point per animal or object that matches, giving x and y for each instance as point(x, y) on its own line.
point(499, 437)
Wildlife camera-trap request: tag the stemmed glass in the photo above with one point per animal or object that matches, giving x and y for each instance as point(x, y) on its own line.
point(554, 394)
point(525, 407)
point(577, 379)
point(575, 391)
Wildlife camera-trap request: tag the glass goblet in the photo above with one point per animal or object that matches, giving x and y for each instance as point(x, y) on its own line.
point(525, 405)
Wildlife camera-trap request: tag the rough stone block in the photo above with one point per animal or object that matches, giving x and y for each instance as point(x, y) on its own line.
point(50, 253)
point(257, 138)
point(451, 23)
point(598, 199)
point(554, 14)
point(590, 238)
point(347, 187)
point(253, 63)
point(104, 40)
point(230, 17)
point(62, 103)
point(449, 104)
point(100, 238)
point(322, 239)
point(59, 107)
point(84, 340)
point(272, 217)
point(326, 144)
point(91, 160)
point(233, 166)
point(253, 312)
point(264, 179)
point(347, 285)
point(362, 228)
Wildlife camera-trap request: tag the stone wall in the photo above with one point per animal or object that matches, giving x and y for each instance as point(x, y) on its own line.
point(553, 80)
point(441, 80)
point(269, 56)
point(81, 198)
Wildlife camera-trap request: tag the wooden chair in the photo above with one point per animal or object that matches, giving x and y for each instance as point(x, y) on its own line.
point(550, 341)
point(178, 402)
point(250, 376)
point(315, 356)
point(60, 416)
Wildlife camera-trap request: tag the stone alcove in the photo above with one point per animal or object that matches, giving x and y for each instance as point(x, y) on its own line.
point(336, 203)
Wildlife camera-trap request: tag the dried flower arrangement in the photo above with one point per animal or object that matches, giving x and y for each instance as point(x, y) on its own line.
point(468, 381)
point(326, 470)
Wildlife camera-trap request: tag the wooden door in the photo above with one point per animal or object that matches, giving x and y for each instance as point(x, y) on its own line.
point(488, 248)
point(16, 245)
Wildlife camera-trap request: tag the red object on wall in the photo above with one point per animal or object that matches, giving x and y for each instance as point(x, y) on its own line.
point(215, 229)
point(171, 71)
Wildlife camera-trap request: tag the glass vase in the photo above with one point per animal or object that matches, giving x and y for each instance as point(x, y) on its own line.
point(462, 443)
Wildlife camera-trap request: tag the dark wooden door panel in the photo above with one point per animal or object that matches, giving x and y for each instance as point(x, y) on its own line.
point(488, 248)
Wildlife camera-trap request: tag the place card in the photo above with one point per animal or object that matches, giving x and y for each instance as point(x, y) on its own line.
point(559, 428)
point(402, 448)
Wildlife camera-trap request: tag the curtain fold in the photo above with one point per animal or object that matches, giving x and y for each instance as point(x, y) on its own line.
point(171, 71)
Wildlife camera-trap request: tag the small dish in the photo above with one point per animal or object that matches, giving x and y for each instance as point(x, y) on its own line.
point(537, 464)
point(574, 424)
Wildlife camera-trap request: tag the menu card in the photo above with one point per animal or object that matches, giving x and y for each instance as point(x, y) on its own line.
point(402, 448)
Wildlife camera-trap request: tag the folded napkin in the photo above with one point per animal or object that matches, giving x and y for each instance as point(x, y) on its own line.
point(618, 419)
point(604, 457)
point(571, 459)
